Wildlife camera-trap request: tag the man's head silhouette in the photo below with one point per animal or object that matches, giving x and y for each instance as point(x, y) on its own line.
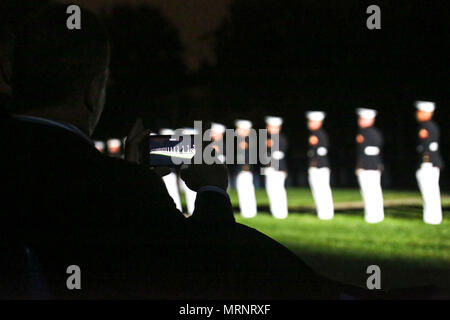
point(61, 74)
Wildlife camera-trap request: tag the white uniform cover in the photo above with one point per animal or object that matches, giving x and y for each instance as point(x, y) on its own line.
point(370, 183)
point(171, 182)
point(319, 181)
point(246, 194)
point(428, 180)
point(276, 192)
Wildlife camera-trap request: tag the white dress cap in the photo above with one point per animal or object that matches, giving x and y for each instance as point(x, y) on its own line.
point(100, 145)
point(426, 106)
point(315, 115)
point(217, 127)
point(189, 131)
point(166, 132)
point(113, 145)
point(366, 113)
point(243, 124)
point(274, 121)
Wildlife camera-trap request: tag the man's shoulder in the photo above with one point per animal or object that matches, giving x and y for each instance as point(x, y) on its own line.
point(259, 240)
point(256, 244)
point(70, 156)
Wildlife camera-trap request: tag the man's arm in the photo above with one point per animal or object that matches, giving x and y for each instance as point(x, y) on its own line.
point(212, 206)
point(209, 181)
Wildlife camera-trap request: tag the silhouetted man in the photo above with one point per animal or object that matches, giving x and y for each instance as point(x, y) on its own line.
point(68, 204)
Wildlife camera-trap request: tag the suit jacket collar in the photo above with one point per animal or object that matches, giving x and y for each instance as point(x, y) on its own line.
point(54, 123)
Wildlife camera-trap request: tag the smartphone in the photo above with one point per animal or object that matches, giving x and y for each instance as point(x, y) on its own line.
point(166, 151)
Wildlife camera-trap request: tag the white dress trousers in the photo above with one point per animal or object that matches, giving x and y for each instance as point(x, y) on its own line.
point(190, 197)
point(276, 192)
point(370, 184)
point(171, 182)
point(428, 181)
point(246, 194)
point(319, 181)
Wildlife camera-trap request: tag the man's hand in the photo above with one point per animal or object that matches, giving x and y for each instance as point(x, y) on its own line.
point(200, 175)
point(162, 171)
point(134, 140)
point(133, 146)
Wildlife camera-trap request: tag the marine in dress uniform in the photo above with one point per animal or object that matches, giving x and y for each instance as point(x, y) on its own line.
point(217, 136)
point(370, 165)
point(244, 178)
point(189, 194)
point(319, 166)
point(430, 163)
point(171, 180)
point(276, 171)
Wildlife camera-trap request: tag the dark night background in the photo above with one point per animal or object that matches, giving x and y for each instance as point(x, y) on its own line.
point(282, 58)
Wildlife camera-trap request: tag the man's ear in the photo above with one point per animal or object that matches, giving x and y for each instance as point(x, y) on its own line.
point(94, 92)
point(91, 95)
point(94, 99)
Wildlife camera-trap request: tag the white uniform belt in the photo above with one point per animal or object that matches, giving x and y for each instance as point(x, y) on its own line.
point(372, 151)
point(322, 151)
point(278, 155)
point(434, 146)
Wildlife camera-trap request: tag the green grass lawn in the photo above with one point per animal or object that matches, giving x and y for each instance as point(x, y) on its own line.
point(408, 251)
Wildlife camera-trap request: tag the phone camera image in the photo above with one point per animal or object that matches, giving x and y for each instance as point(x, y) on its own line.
point(167, 151)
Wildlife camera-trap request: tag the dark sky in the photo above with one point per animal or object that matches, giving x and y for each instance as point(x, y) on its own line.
point(194, 19)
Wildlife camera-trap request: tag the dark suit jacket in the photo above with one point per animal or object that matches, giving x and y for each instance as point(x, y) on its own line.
point(74, 206)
